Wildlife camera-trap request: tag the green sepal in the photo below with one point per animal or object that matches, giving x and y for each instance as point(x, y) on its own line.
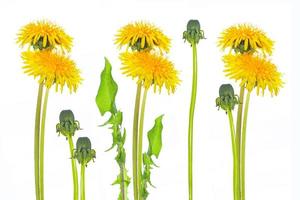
point(107, 91)
point(154, 137)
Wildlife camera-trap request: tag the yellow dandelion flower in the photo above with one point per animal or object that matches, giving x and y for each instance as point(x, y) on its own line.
point(52, 68)
point(253, 71)
point(43, 35)
point(142, 36)
point(150, 69)
point(245, 38)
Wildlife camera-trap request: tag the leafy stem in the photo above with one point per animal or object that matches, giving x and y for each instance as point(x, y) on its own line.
point(154, 148)
point(105, 101)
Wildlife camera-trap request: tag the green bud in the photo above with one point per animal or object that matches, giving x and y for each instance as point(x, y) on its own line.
point(66, 115)
point(39, 44)
point(67, 124)
point(226, 90)
point(193, 33)
point(83, 143)
point(84, 152)
point(241, 48)
point(137, 46)
point(227, 99)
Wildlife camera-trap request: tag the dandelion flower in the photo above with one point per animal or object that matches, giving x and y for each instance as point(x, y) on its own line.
point(150, 69)
point(44, 35)
point(52, 68)
point(253, 71)
point(142, 36)
point(245, 38)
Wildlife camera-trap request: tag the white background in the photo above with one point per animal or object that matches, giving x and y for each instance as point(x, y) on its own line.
point(272, 140)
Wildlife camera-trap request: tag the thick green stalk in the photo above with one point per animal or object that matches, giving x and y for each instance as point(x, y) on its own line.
point(235, 158)
point(135, 141)
point(140, 142)
point(239, 134)
point(82, 181)
point(74, 168)
point(37, 141)
point(243, 146)
point(42, 143)
point(191, 122)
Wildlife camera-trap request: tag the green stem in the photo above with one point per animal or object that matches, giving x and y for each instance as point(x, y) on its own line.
point(239, 135)
point(235, 158)
point(191, 122)
point(123, 183)
point(135, 141)
point(140, 142)
point(37, 141)
point(82, 181)
point(243, 146)
point(74, 168)
point(42, 144)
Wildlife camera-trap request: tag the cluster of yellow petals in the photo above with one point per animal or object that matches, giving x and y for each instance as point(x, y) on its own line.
point(246, 36)
point(150, 69)
point(44, 62)
point(48, 33)
point(52, 68)
point(253, 71)
point(146, 61)
point(144, 33)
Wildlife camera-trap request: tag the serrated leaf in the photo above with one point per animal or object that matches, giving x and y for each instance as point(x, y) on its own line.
point(107, 91)
point(154, 137)
point(118, 180)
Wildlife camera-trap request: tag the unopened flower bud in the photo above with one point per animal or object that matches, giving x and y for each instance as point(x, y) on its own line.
point(67, 124)
point(84, 152)
point(227, 99)
point(193, 33)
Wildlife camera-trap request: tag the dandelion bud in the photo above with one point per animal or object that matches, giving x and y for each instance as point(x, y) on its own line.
point(84, 152)
point(193, 33)
point(67, 124)
point(227, 99)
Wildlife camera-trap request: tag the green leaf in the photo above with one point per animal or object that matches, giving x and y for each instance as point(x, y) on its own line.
point(107, 91)
point(154, 137)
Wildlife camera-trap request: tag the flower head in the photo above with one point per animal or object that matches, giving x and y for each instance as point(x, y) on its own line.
point(245, 38)
point(142, 36)
point(253, 71)
point(150, 69)
point(44, 35)
point(52, 68)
